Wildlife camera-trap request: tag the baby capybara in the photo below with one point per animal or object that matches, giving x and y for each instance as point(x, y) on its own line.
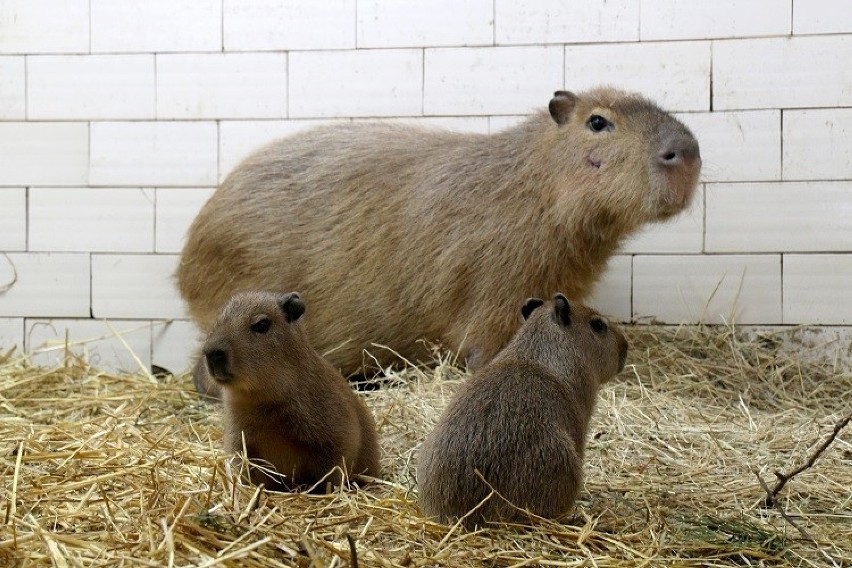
point(396, 234)
point(287, 407)
point(518, 425)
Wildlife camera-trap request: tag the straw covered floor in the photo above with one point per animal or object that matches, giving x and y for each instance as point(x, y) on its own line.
point(100, 469)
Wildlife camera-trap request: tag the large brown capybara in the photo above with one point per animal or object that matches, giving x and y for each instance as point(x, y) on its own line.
point(395, 234)
point(292, 412)
point(518, 426)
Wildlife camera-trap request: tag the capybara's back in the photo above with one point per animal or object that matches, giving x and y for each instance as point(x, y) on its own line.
point(512, 439)
point(397, 234)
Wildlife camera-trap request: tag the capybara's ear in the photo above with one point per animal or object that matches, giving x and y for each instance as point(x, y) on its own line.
point(562, 105)
point(292, 306)
point(562, 309)
point(530, 305)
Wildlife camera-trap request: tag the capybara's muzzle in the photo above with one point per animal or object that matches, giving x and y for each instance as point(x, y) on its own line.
point(218, 362)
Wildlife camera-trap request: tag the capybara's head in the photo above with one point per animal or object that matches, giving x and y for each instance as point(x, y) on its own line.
point(254, 339)
point(636, 158)
point(564, 333)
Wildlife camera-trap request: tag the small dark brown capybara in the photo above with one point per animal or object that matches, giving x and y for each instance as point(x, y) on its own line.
point(521, 421)
point(396, 234)
point(291, 408)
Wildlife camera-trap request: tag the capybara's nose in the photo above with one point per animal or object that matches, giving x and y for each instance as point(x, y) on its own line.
point(677, 150)
point(217, 362)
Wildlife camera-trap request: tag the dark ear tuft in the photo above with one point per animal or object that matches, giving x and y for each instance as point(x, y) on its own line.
point(530, 305)
point(292, 306)
point(561, 106)
point(562, 309)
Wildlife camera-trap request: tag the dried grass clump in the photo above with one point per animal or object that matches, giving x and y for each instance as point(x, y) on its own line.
point(108, 470)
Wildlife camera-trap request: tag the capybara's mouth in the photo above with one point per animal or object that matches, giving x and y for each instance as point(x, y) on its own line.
point(222, 377)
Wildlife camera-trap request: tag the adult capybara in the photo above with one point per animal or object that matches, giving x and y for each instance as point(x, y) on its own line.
point(288, 408)
point(395, 234)
point(518, 426)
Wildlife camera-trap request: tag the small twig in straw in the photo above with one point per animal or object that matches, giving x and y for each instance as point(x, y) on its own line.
point(353, 552)
point(783, 478)
point(777, 506)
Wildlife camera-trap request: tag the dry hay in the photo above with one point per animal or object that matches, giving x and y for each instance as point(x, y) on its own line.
point(101, 469)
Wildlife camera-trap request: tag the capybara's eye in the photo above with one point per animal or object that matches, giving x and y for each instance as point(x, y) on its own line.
point(261, 325)
point(598, 325)
point(597, 123)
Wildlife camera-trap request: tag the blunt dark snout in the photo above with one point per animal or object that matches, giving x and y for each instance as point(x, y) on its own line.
point(676, 150)
point(217, 362)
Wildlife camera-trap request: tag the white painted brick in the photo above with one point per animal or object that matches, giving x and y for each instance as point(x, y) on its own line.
point(11, 335)
point(817, 290)
point(356, 83)
point(557, 21)
point(153, 153)
point(498, 123)
point(818, 144)
point(174, 345)
point(156, 26)
point(91, 219)
point(677, 76)
point(94, 340)
point(738, 146)
point(135, 286)
point(822, 17)
point(256, 25)
point(419, 23)
point(782, 72)
point(711, 289)
point(612, 293)
point(779, 217)
point(44, 26)
point(675, 19)
point(12, 88)
point(463, 124)
point(682, 234)
point(491, 80)
point(238, 139)
point(44, 285)
point(13, 218)
point(68, 87)
point(44, 153)
point(222, 85)
point(176, 208)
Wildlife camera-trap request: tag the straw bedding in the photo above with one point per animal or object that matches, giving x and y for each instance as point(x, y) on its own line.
point(102, 469)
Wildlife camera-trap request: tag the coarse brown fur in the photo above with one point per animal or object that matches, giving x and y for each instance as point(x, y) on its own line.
point(396, 234)
point(283, 403)
point(520, 422)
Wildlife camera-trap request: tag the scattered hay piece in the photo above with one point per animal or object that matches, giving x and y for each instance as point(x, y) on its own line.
point(118, 470)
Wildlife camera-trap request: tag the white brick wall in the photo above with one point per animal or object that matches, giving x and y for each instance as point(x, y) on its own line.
point(677, 75)
point(509, 80)
point(376, 82)
point(135, 286)
point(556, 21)
point(91, 219)
point(175, 210)
point(118, 119)
point(153, 153)
point(44, 26)
point(156, 26)
point(13, 218)
point(414, 23)
point(222, 85)
point(91, 87)
point(44, 153)
point(818, 144)
point(783, 72)
point(676, 19)
point(12, 88)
